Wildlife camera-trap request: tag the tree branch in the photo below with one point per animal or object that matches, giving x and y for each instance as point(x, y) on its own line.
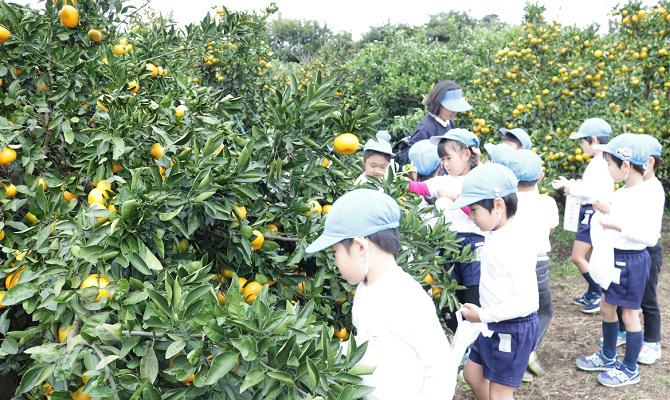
point(281, 238)
point(108, 371)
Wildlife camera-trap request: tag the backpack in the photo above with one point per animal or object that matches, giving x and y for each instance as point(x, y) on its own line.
point(401, 150)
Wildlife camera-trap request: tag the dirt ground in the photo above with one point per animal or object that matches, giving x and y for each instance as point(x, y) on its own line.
point(573, 334)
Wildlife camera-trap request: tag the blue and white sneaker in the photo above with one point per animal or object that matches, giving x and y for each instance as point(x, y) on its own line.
point(596, 362)
point(581, 300)
point(650, 353)
point(619, 376)
point(620, 339)
point(592, 306)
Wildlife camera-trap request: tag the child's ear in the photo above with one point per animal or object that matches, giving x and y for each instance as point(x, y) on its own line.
point(499, 204)
point(359, 244)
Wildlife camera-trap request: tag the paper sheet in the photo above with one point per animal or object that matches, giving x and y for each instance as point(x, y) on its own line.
point(571, 215)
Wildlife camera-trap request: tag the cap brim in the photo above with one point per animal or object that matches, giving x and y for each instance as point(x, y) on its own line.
point(504, 131)
point(464, 201)
point(577, 135)
point(323, 242)
point(436, 139)
point(602, 147)
point(459, 105)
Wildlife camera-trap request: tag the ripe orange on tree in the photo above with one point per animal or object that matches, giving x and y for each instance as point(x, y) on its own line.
point(69, 16)
point(251, 290)
point(100, 282)
point(346, 143)
point(342, 334)
point(10, 191)
point(95, 35)
point(258, 241)
point(157, 151)
point(7, 156)
point(4, 34)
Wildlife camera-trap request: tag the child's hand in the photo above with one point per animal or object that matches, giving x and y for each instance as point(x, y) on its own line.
point(601, 206)
point(608, 223)
point(450, 193)
point(560, 183)
point(470, 312)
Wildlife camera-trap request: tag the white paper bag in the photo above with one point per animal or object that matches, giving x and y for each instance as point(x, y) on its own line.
point(601, 264)
point(571, 215)
point(465, 335)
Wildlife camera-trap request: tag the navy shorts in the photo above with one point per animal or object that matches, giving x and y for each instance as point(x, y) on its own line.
point(584, 229)
point(467, 273)
point(504, 355)
point(634, 266)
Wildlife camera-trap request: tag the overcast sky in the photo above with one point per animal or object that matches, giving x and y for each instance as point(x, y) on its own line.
point(356, 16)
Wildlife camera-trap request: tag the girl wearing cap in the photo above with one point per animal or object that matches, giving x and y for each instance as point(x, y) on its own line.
point(426, 161)
point(391, 311)
point(443, 103)
point(596, 184)
point(516, 138)
point(377, 156)
point(627, 217)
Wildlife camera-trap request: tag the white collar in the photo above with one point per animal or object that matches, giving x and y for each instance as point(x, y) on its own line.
point(441, 121)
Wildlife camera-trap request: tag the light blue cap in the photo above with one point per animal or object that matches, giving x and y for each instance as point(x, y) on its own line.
point(525, 164)
point(454, 101)
point(627, 147)
point(521, 135)
point(487, 181)
point(423, 156)
point(381, 145)
point(358, 213)
point(655, 148)
point(597, 127)
point(460, 135)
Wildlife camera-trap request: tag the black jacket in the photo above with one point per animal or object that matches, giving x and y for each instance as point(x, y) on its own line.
point(427, 128)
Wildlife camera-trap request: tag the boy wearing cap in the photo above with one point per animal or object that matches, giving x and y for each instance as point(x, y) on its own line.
point(628, 218)
point(377, 155)
point(507, 287)
point(391, 311)
point(596, 184)
point(516, 138)
point(425, 160)
point(443, 103)
point(538, 214)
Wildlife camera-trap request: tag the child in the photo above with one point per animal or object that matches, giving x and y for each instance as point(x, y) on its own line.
point(628, 216)
point(516, 138)
point(391, 311)
point(424, 158)
point(538, 214)
point(377, 155)
point(651, 347)
point(459, 151)
point(596, 184)
point(508, 286)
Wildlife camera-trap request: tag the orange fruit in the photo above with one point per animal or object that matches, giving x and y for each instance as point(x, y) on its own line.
point(188, 379)
point(325, 209)
point(42, 183)
point(4, 34)
point(429, 280)
point(104, 187)
point(80, 395)
point(157, 151)
point(47, 390)
point(221, 298)
point(101, 282)
point(183, 246)
point(228, 273)
point(2, 234)
point(436, 291)
point(133, 86)
point(116, 168)
point(95, 35)
point(69, 196)
point(180, 111)
point(326, 163)
point(242, 281)
point(342, 334)
point(7, 156)
point(13, 278)
point(31, 218)
point(119, 49)
point(96, 196)
point(346, 143)
point(242, 211)
point(257, 243)
point(153, 70)
point(273, 228)
point(10, 189)
point(2, 296)
point(251, 290)
point(63, 333)
point(300, 289)
point(69, 16)
point(315, 209)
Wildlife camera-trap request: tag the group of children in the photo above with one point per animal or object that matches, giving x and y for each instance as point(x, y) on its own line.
point(496, 210)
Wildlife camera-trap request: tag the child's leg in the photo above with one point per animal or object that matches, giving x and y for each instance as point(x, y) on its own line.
point(650, 309)
point(610, 328)
point(474, 376)
point(500, 392)
point(545, 312)
point(581, 252)
point(633, 337)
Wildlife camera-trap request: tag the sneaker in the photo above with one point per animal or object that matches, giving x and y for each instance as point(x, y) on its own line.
point(527, 377)
point(619, 376)
point(620, 339)
point(650, 353)
point(581, 300)
point(596, 362)
point(534, 365)
point(592, 307)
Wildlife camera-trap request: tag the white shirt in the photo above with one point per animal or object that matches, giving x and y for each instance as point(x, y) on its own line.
point(460, 221)
point(406, 343)
point(508, 283)
point(441, 121)
point(538, 214)
point(596, 183)
point(656, 197)
point(632, 209)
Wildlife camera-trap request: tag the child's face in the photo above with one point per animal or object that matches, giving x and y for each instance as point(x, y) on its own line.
point(350, 262)
point(456, 160)
point(511, 143)
point(376, 165)
point(588, 147)
point(488, 220)
point(618, 173)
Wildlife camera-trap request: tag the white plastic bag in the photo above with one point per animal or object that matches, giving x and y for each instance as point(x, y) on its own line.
point(601, 264)
point(465, 335)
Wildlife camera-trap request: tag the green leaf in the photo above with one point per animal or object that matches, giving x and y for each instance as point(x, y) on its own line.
point(221, 365)
point(149, 258)
point(174, 348)
point(119, 147)
point(166, 216)
point(42, 236)
point(19, 293)
point(149, 365)
point(134, 298)
point(251, 379)
point(313, 373)
point(246, 346)
point(281, 377)
point(243, 161)
point(105, 361)
point(33, 377)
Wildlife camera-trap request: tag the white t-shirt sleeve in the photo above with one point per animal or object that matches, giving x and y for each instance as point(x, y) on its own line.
point(551, 211)
point(445, 182)
point(596, 183)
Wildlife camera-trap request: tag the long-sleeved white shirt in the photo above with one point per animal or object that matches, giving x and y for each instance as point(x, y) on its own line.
point(508, 283)
point(656, 198)
point(460, 221)
point(632, 209)
point(596, 183)
point(538, 214)
point(406, 343)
